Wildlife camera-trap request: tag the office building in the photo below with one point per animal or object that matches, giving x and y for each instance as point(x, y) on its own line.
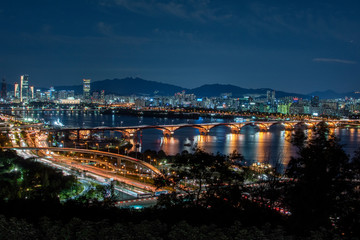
point(24, 88)
point(16, 90)
point(31, 93)
point(86, 88)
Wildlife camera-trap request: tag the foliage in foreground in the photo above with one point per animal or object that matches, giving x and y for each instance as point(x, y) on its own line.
point(324, 200)
point(27, 179)
point(326, 190)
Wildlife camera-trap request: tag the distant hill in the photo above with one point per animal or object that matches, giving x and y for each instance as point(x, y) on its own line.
point(137, 86)
point(329, 94)
point(128, 86)
point(218, 89)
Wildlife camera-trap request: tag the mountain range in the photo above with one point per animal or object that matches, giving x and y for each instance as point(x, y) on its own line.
point(137, 86)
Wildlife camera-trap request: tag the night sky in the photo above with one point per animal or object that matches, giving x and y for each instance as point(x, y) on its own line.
point(297, 46)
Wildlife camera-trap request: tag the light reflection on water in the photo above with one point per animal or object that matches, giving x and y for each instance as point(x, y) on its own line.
point(273, 146)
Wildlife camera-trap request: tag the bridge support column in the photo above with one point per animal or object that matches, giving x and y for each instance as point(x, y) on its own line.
point(118, 162)
point(263, 127)
point(310, 125)
point(168, 133)
point(235, 130)
point(289, 126)
point(203, 131)
point(130, 133)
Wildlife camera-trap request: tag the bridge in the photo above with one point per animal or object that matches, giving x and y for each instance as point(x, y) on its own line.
point(118, 157)
point(204, 128)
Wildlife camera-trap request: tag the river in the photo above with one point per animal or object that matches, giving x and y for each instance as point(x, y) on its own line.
point(273, 146)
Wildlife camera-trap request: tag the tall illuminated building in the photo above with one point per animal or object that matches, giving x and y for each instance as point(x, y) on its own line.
point(102, 96)
point(24, 88)
point(16, 90)
point(31, 93)
point(86, 88)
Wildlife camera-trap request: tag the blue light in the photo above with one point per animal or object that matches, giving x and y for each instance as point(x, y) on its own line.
point(137, 207)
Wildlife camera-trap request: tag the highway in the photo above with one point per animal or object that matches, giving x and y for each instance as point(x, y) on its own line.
point(46, 155)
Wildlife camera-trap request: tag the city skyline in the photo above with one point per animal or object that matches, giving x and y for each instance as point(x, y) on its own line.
point(180, 119)
point(302, 47)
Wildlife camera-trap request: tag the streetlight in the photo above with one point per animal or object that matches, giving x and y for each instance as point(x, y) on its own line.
point(75, 144)
point(87, 147)
point(117, 147)
point(97, 146)
point(107, 147)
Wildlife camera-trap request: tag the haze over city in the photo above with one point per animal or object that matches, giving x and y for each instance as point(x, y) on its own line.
point(295, 46)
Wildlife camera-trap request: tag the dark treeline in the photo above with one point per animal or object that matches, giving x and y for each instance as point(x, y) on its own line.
point(28, 179)
point(320, 188)
point(51, 220)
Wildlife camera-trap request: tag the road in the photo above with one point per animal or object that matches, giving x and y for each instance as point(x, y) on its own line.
point(64, 162)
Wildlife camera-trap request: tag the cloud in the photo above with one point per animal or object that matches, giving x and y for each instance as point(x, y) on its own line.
point(190, 9)
point(46, 28)
point(179, 35)
point(104, 28)
point(334, 60)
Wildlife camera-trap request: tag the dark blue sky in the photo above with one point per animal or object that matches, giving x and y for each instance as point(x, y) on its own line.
point(297, 46)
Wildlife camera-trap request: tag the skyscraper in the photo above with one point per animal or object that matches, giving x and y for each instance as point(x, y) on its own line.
point(270, 96)
point(31, 93)
point(24, 88)
point(315, 101)
point(16, 90)
point(86, 88)
point(103, 95)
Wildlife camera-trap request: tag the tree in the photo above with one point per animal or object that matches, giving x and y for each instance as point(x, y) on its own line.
point(203, 179)
point(321, 186)
point(349, 221)
point(298, 139)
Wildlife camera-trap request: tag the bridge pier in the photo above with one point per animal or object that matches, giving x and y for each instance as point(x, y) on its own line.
point(167, 133)
point(310, 125)
point(288, 127)
point(204, 131)
point(234, 130)
point(262, 127)
point(118, 162)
